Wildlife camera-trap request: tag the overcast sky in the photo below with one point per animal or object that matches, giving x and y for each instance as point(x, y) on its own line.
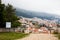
point(49, 6)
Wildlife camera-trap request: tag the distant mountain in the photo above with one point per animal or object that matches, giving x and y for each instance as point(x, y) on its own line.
point(31, 14)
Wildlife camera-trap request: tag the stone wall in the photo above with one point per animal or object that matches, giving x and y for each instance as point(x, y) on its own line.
point(7, 30)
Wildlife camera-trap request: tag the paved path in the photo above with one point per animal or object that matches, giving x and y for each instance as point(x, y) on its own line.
point(40, 37)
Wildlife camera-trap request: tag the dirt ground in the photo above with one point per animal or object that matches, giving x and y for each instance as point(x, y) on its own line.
point(40, 37)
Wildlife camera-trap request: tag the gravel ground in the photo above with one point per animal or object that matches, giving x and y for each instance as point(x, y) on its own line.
point(40, 37)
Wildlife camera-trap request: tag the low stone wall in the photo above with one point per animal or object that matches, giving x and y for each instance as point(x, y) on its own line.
point(7, 30)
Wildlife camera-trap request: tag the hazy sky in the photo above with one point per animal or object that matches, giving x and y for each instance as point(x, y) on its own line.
point(49, 6)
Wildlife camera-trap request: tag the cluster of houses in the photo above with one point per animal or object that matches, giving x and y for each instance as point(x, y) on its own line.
point(37, 25)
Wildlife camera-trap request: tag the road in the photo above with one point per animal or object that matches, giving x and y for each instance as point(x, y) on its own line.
point(40, 37)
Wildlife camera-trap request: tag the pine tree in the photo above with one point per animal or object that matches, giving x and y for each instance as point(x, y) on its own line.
point(11, 13)
point(2, 6)
point(7, 14)
point(0, 1)
point(11, 17)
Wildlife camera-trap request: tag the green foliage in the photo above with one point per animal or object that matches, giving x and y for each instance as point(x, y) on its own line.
point(7, 14)
point(10, 13)
point(15, 24)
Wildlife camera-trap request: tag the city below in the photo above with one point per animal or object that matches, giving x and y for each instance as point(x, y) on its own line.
point(38, 25)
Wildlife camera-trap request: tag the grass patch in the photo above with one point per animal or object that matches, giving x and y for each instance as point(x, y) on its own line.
point(58, 35)
point(11, 35)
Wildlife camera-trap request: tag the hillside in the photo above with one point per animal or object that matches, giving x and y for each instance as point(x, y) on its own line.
point(31, 14)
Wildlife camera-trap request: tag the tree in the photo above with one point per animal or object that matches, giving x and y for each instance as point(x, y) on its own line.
point(8, 14)
point(1, 14)
point(0, 1)
point(11, 17)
